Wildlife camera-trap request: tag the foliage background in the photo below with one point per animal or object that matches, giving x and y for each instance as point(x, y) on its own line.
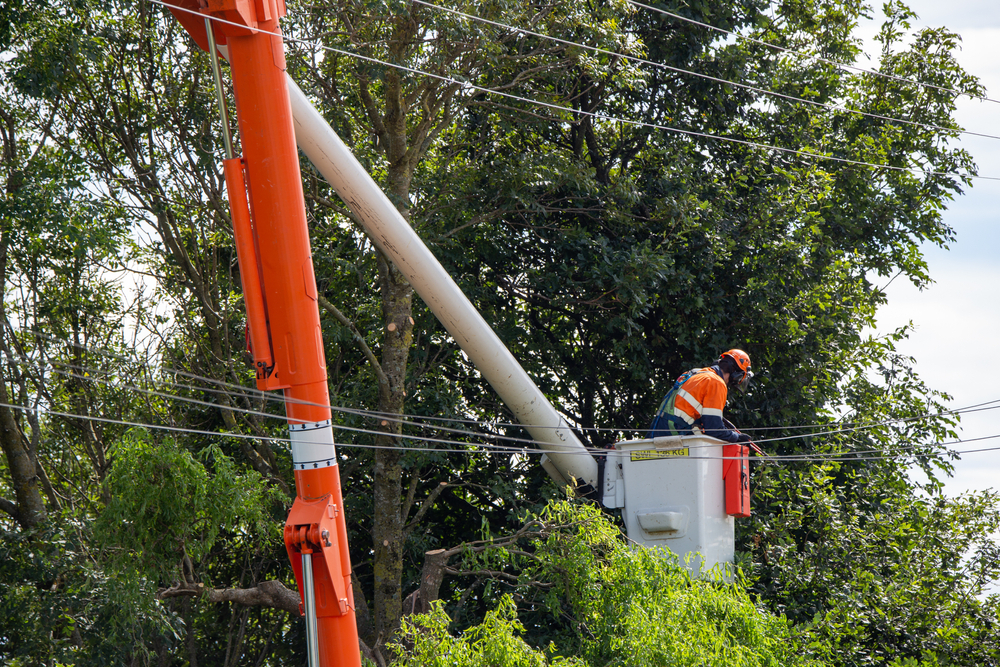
point(610, 257)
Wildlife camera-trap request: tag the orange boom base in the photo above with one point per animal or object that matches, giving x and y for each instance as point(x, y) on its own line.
point(272, 240)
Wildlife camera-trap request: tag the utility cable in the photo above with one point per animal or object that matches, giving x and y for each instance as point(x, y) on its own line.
point(473, 448)
point(245, 392)
point(829, 456)
point(839, 65)
point(851, 426)
point(465, 446)
point(566, 109)
point(914, 171)
point(406, 419)
point(680, 70)
point(90, 376)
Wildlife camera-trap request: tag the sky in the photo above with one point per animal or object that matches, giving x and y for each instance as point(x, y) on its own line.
point(957, 319)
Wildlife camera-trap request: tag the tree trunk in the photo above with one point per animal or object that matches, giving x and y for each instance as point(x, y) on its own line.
point(431, 578)
point(387, 532)
point(397, 311)
point(28, 507)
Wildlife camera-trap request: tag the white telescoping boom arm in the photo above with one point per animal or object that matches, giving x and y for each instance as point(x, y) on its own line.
point(397, 240)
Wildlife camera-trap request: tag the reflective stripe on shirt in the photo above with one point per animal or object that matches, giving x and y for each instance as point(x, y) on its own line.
point(683, 415)
point(691, 400)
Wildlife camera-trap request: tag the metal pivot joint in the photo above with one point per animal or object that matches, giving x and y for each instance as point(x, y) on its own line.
point(312, 528)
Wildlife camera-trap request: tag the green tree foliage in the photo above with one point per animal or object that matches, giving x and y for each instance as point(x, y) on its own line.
point(609, 256)
point(86, 593)
point(495, 641)
point(599, 601)
point(904, 578)
point(60, 606)
point(167, 510)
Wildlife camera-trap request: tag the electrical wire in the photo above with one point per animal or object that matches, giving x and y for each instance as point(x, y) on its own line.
point(524, 99)
point(555, 106)
point(242, 392)
point(830, 456)
point(914, 171)
point(853, 68)
point(476, 448)
point(680, 70)
point(89, 375)
point(976, 407)
point(459, 447)
point(407, 419)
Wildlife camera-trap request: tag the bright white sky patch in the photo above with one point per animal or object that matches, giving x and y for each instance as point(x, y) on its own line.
point(957, 319)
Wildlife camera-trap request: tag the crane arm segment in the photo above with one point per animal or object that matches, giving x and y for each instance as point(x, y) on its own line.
point(272, 239)
point(397, 240)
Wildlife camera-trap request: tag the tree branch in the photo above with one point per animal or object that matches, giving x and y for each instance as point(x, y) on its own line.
point(10, 507)
point(411, 493)
point(426, 505)
point(497, 574)
point(376, 366)
point(371, 108)
point(436, 562)
point(326, 203)
point(273, 594)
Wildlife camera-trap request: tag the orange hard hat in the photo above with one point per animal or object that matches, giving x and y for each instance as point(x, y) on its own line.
point(739, 376)
point(741, 358)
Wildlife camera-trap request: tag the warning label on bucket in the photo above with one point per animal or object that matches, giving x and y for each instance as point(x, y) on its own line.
point(651, 454)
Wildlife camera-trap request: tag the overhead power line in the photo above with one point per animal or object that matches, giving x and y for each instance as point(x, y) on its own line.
point(681, 70)
point(839, 65)
point(577, 111)
point(483, 448)
point(600, 116)
point(89, 376)
point(242, 392)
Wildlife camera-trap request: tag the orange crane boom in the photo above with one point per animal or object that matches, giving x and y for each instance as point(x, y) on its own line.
point(272, 239)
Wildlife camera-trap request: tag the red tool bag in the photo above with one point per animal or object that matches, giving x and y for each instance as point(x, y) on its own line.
point(736, 474)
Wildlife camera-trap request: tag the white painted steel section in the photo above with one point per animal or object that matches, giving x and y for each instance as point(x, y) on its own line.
point(675, 498)
point(394, 237)
point(312, 445)
point(614, 483)
point(554, 472)
point(673, 522)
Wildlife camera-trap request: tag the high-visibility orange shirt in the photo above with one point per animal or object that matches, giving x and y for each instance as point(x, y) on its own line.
point(694, 405)
point(703, 394)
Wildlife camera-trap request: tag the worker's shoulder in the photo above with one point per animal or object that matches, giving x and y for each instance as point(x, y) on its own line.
point(705, 377)
point(708, 373)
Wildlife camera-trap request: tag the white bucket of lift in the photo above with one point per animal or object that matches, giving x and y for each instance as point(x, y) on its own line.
point(672, 495)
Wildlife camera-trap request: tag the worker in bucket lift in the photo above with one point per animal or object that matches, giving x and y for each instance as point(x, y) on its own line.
point(693, 406)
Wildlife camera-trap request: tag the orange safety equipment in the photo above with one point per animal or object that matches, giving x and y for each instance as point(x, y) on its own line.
point(741, 358)
point(736, 476)
point(704, 393)
point(694, 405)
point(738, 369)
